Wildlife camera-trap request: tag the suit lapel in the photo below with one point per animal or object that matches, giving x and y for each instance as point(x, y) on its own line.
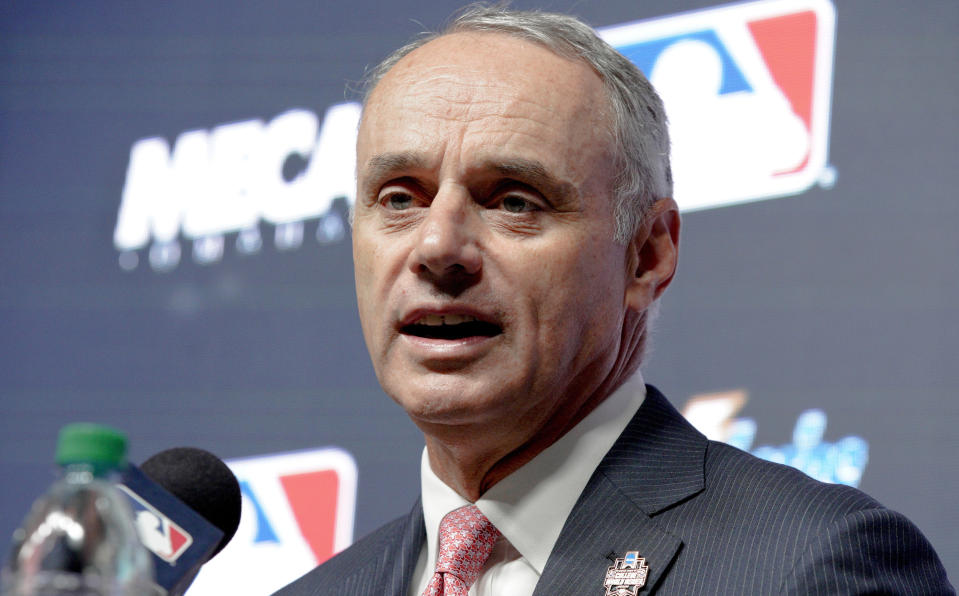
point(390, 572)
point(404, 561)
point(656, 463)
point(659, 459)
point(579, 560)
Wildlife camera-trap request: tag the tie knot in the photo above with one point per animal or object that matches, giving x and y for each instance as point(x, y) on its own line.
point(466, 541)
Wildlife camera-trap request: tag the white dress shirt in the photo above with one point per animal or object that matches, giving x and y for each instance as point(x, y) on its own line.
point(530, 506)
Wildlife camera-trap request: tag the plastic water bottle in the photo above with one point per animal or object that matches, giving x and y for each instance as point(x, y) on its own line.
point(79, 538)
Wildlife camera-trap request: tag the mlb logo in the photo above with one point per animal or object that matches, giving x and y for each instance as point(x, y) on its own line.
point(160, 534)
point(747, 89)
point(298, 511)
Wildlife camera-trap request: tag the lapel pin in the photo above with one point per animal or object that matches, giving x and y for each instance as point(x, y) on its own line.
point(626, 575)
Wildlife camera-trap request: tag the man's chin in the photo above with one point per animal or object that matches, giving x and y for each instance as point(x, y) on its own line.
point(454, 406)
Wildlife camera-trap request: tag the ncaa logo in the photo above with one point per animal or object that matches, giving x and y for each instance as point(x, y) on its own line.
point(747, 89)
point(298, 511)
point(160, 534)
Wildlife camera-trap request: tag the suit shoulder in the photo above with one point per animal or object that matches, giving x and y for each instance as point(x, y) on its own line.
point(780, 530)
point(745, 478)
point(876, 551)
point(729, 468)
point(371, 550)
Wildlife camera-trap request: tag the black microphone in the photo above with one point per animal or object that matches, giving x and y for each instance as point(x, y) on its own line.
point(186, 504)
point(202, 481)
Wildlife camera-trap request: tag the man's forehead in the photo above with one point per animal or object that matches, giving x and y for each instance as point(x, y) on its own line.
point(481, 103)
point(469, 47)
point(501, 60)
point(462, 75)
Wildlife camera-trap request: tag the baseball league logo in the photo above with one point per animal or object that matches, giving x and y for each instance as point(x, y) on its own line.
point(747, 89)
point(298, 511)
point(160, 534)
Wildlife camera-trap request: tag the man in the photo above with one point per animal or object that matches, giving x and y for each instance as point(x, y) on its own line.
point(513, 230)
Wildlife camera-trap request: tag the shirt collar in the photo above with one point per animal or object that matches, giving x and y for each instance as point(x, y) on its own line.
point(530, 506)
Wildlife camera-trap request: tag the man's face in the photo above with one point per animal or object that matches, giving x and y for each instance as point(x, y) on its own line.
point(489, 285)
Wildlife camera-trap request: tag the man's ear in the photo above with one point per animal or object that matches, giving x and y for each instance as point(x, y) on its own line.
point(652, 255)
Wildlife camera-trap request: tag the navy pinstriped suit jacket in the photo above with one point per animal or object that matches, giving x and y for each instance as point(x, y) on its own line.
point(708, 518)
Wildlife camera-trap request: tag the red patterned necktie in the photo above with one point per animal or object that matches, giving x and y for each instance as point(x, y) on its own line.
point(466, 541)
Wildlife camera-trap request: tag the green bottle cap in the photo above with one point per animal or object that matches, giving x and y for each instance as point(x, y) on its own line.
point(83, 442)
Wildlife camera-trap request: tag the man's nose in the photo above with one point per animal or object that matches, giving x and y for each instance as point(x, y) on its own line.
point(446, 242)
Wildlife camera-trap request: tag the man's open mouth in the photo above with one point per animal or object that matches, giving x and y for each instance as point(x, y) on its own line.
point(450, 327)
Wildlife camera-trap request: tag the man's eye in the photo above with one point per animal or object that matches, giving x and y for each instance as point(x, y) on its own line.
point(517, 204)
point(398, 201)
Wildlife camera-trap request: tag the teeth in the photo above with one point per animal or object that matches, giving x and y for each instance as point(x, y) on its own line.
point(457, 319)
point(437, 320)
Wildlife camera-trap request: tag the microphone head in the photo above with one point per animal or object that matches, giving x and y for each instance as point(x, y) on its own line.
point(203, 482)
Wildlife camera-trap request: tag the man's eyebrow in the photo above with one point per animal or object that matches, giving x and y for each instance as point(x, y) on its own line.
point(383, 164)
point(532, 172)
point(561, 193)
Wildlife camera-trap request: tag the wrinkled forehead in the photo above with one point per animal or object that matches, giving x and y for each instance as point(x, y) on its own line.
point(506, 53)
point(470, 76)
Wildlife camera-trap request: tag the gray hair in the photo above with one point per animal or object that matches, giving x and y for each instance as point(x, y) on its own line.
point(640, 135)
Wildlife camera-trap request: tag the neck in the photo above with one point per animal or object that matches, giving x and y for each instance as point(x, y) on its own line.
point(467, 461)
point(472, 458)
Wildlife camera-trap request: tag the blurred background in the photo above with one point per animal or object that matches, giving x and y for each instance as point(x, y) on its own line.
point(175, 254)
